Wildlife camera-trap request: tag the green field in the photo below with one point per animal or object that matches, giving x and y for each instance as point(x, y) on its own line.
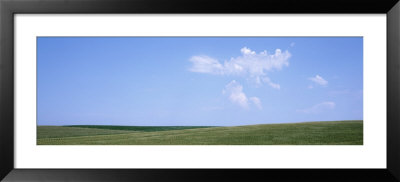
point(307, 133)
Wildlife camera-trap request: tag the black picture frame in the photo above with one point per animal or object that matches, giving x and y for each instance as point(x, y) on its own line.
point(8, 8)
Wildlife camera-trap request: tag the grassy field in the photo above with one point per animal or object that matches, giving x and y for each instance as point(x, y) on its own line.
point(138, 128)
point(307, 133)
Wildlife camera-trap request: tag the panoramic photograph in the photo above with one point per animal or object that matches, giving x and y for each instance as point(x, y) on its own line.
point(199, 91)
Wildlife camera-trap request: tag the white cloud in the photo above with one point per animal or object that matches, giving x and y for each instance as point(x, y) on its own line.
point(270, 83)
point(246, 50)
point(236, 95)
point(205, 64)
point(256, 101)
point(250, 64)
point(318, 108)
point(319, 80)
point(292, 44)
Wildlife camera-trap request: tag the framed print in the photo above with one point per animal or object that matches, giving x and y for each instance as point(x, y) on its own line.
point(124, 91)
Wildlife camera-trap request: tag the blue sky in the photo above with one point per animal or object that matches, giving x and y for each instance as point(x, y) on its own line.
point(221, 81)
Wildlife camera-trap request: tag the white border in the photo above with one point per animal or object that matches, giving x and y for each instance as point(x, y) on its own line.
point(371, 155)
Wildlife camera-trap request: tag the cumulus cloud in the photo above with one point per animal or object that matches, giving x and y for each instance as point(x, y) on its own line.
point(205, 64)
point(246, 50)
point(256, 101)
point(250, 64)
point(236, 95)
point(270, 83)
point(319, 80)
point(318, 108)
